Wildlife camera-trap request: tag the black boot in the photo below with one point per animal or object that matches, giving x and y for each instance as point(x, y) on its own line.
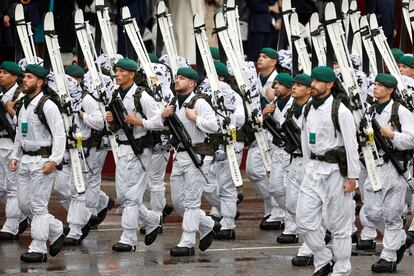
point(23, 225)
point(151, 237)
point(400, 252)
point(122, 247)
point(56, 246)
point(33, 257)
point(287, 238)
point(71, 242)
point(6, 236)
point(182, 251)
point(168, 209)
point(354, 237)
point(367, 245)
point(93, 221)
point(384, 266)
point(302, 260)
point(66, 229)
point(272, 225)
point(208, 239)
point(324, 271)
point(237, 215)
point(226, 234)
point(102, 214)
point(328, 236)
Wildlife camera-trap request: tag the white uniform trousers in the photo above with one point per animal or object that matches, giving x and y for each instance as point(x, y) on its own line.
point(326, 191)
point(384, 208)
point(33, 193)
point(8, 194)
point(96, 199)
point(130, 183)
point(294, 180)
point(156, 185)
point(257, 174)
point(187, 185)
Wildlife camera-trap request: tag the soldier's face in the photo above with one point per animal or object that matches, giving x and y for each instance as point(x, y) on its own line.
point(382, 92)
point(183, 84)
point(6, 78)
point(300, 90)
point(318, 88)
point(31, 83)
point(406, 71)
point(280, 90)
point(264, 62)
point(123, 76)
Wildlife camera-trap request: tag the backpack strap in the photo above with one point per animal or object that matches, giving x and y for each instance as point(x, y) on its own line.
point(394, 118)
point(336, 103)
point(39, 111)
point(196, 97)
point(307, 109)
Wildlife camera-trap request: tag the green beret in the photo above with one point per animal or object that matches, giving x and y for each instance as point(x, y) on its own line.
point(75, 71)
point(37, 70)
point(11, 67)
point(407, 60)
point(188, 72)
point(221, 69)
point(387, 80)
point(284, 79)
point(153, 58)
point(272, 53)
point(303, 79)
point(397, 53)
point(215, 52)
point(74, 51)
point(323, 73)
point(127, 64)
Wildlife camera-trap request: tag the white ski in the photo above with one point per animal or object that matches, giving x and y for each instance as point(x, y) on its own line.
point(317, 32)
point(254, 115)
point(132, 30)
point(299, 44)
point(94, 70)
point(383, 47)
point(411, 10)
point(227, 129)
point(345, 16)
point(367, 43)
point(354, 17)
point(286, 12)
point(168, 36)
point(24, 30)
point(74, 137)
point(231, 14)
point(365, 132)
point(105, 25)
point(406, 16)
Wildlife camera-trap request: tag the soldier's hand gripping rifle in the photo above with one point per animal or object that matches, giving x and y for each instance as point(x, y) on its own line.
point(4, 121)
point(119, 112)
point(181, 135)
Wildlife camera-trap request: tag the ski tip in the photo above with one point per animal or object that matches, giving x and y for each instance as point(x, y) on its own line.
point(161, 8)
point(363, 21)
point(230, 4)
point(99, 3)
point(19, 12)
point(411, 7)
point(286, 5)
point(373, 23)
point(219, 20)
point(78, 18)
point(345, 6)
point(314, 21)
point(48, 22)
point(294, 24)
point(198, 20)
point(330, 13)
point(126, 13)
point(353, 6)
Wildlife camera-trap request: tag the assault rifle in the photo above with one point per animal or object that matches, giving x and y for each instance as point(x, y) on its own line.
point(181, 135)
point(117, 108)
point(4, 121)
point(291, 135)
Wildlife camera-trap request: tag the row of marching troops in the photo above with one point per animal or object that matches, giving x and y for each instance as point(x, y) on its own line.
point(308, 192)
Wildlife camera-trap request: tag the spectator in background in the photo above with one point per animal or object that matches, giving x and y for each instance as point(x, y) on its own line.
point(261, 30)
point(385, 11)
point(7, 30)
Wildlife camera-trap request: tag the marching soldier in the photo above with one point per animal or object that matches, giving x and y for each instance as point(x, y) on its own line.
point(187, 181)
point(132, 170)
point(328, 180)
point(15, 223)
point(38, 150)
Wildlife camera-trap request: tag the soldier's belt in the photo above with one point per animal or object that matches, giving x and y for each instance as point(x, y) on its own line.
point(45, 152)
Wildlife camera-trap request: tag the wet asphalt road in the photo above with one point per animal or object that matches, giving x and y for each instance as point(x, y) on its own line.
point(254, 252)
